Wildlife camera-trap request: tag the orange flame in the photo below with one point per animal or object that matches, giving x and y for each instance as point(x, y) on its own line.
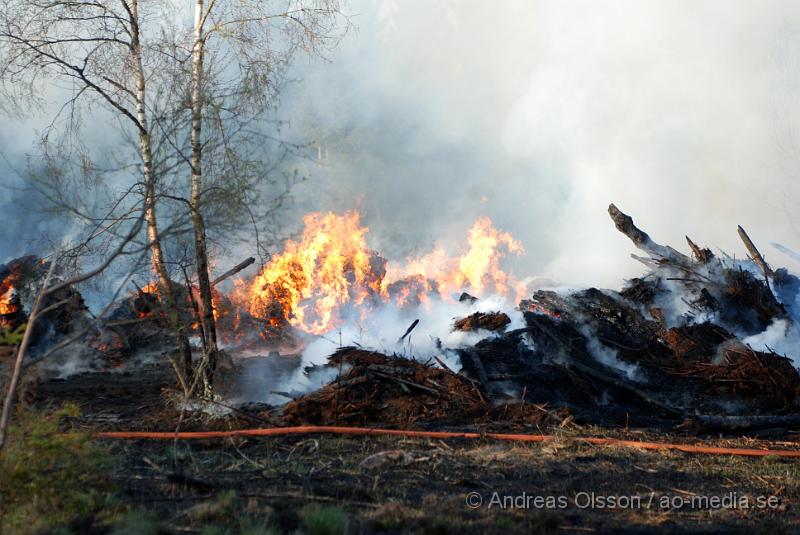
point(330, 267)
point(476, 271)
point(7, 305)
point(9, 300)
point(150, 288)
point(149, 293)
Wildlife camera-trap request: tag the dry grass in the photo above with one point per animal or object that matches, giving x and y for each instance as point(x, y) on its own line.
point(425, 491)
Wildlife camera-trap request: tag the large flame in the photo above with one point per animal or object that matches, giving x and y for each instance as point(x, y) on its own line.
point(8, 304)
point(476, 271)
point(9, 299)
point(330, 267)
point(312, 278)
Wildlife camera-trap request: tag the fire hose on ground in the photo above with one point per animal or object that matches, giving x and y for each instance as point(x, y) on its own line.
point(362, 431)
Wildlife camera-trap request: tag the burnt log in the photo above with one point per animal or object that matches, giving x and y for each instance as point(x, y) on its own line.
point(233, 271)
point(641, 239)
point(754, 252)
point(701, 255)
point(698, 342)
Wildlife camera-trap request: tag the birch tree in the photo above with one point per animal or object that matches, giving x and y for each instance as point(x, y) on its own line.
point(258, 39)
point(97, 51)
point(192, 99)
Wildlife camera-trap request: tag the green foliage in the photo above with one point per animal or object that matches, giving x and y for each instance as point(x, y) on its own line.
point(138, 523)
point(49, 476)
point(12, 338)
point(222, 509)
point(223, 517)
point(323, 520)
point(247, 526)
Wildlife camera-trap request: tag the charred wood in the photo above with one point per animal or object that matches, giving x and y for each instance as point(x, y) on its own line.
point(754, 252)
point(233, 271)
point(701, 255)
point(641, 239)
point(490, 321)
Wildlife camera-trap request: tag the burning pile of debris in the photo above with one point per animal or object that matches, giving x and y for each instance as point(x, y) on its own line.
point(64, 311)
point(397, 391)
point(686, 342)
point(135, 325)
point(669, 349)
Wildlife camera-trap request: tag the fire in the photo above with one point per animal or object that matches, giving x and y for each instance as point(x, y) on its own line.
point(9, 299)
point(150, 288)
point(538, 308)
point(476, 271)
point(312, 278)
point(146, 302)
point(330, 267)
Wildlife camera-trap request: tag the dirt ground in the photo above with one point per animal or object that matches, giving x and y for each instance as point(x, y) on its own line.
point(397, 485)
point(431, 486)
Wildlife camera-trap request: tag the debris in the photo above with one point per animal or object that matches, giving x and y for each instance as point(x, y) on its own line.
point(701, 255)
point(233, 271)
point(489, 321)
point(754, 253)
point(467, 298)
point(667, 349)
point(431, 395)
point(408, 331)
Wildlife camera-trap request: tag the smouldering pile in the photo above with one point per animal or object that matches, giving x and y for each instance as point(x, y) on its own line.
point(666, 349)
point(688, 342)
point(397, 391)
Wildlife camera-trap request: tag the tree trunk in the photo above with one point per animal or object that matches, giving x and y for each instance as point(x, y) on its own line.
point(156, 252)
point(201, 253)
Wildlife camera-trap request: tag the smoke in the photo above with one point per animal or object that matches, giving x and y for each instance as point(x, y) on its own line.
point(781, 337)
point(539, 114)
point(377, 330)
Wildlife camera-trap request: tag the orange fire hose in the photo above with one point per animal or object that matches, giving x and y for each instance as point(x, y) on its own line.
point(310, 429)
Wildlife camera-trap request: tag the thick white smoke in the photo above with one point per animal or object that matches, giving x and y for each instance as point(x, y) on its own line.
point(539, 113)
point(380, 330)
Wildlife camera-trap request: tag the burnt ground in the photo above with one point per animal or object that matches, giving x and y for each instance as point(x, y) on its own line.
point(425, 488)
point(420, 486)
